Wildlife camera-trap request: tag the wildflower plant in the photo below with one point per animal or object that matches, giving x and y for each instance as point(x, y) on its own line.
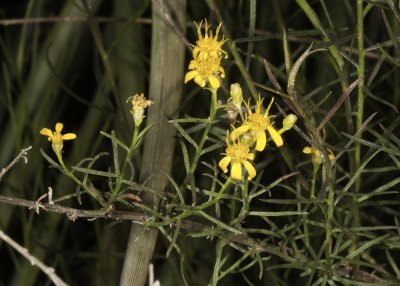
point(225, 163)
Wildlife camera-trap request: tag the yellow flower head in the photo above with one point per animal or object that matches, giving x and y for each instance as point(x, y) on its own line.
point(208, 45)
point(316, 155)
point(56, 137)
point(259, 125)
point(207, 54)
point(238, 155)
point(139, 104)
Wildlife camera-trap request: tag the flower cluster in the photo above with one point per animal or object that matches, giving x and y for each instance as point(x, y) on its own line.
point(253, 135)
point(207, 55)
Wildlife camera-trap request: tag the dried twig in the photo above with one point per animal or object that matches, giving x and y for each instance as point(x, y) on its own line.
point(73, 19)
point(23, 154)
point(49, 271)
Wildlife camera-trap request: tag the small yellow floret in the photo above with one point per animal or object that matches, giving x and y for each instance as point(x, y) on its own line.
point(56, 137)
point(259, 125)
point(238, 155)
point(316, 155)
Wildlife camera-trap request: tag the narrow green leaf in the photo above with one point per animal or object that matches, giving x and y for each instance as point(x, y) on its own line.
point(367, 245)
point(185, 135)
point(95, 172)
point(285, 213)
point(219, 223)
point(115, 139)
point(176, 187)
point(51, 161)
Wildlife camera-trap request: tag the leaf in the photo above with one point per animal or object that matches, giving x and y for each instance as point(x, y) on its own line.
point(285, 213)
point(95, 172)
point(51, 161)
point(115, 139)
point(296, 67)
point(219, 223)
point(185, 134)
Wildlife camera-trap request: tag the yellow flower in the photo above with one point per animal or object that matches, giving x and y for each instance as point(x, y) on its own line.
point(139, 104)
point(56, 137)
point(316, 155)
point(257, 125)
point(207, 54)
point(238, 155)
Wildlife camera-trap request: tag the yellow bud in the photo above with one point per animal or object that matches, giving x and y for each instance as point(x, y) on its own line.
point(247, 139)
point(236, 94)
point(289, 121)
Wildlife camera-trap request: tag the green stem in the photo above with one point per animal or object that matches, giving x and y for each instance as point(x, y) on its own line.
point(91, 192)
point(199, 149)
point(193, 211)
point(315, 171)
point(213, 112)
point(127, 159)
point(245, 207)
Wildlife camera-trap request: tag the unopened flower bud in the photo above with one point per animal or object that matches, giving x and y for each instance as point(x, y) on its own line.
point(236, 94)
point(288, 122)
point(139, 104)
point(247, 139)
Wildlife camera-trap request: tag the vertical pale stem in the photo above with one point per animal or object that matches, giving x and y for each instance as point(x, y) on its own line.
point(360, 103)
point(166, 80)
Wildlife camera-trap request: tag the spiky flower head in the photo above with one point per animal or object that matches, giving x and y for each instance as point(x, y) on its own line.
point(258, 125)
point(207, 54)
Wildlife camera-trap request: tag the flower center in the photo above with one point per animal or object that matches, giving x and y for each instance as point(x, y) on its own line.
point(208, 67)
point(258, 122)
point(238, 151)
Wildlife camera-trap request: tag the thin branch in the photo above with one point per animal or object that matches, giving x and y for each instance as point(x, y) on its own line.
point(23, 154)
point(49, 271)
point(72, 19)
point(286, 254)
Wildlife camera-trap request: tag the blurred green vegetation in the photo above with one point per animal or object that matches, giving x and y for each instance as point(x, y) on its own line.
point(53, 71)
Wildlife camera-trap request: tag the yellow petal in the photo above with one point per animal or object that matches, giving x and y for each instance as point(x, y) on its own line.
point(331, 156)
point(276, 137)
point(200, 81)
point(238, 131)
point(224, 162)
point(307, 150)
point(250, 170)
point(250, 157)
point(69, 136)
point(46, 132)
point(59, 127)
point(261, 142)
point(190, 75)
point(214, 82)
point(268, 108)
point(192, 65)
point(236, 171)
